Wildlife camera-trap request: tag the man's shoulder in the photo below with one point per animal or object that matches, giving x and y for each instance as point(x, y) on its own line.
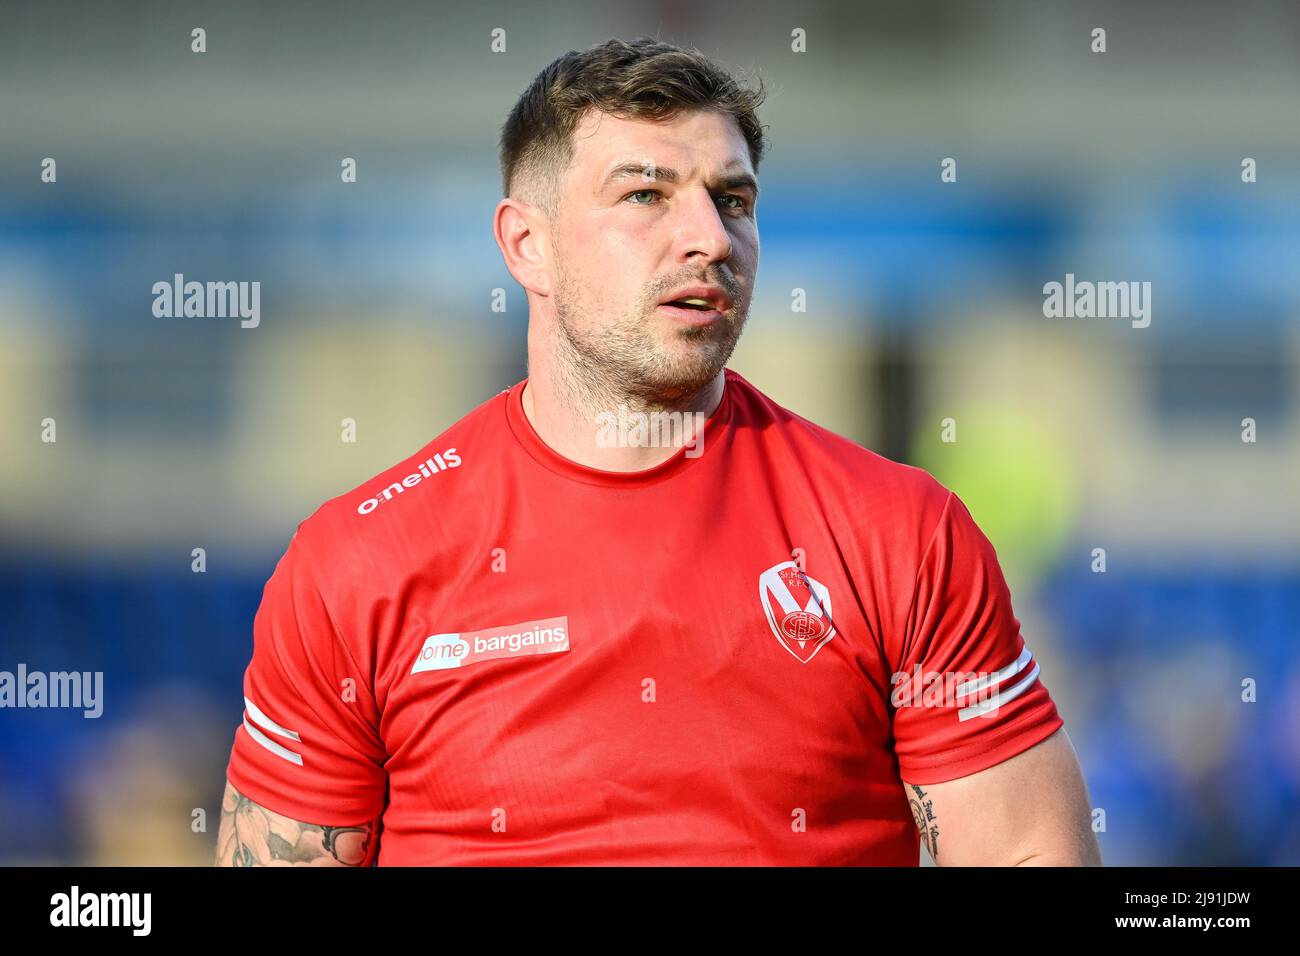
point(827, 457)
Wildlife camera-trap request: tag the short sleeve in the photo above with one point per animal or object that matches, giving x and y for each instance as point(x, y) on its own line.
point(308, 747)
point(968, 693)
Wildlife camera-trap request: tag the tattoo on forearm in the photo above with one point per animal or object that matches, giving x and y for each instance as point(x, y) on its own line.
point(926, 822)
point(251, 835)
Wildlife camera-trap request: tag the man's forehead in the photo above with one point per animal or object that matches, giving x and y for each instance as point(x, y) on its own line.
point(602, 142)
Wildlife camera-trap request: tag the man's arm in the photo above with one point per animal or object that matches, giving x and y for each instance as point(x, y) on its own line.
point(252, 835)
point(1030, 810)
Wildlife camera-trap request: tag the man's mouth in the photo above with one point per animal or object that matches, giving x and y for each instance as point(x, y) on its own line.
point(697, 305)
point(692, 303)
point(692, 311)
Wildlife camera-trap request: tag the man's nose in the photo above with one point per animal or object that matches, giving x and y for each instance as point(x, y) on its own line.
point(701, 233)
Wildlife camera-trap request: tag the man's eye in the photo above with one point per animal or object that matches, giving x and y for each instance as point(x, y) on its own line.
point(642, 192)
point(740, 203)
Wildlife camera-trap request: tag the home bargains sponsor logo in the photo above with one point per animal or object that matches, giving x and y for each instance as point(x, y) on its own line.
point(441, 651)
point(428, 469)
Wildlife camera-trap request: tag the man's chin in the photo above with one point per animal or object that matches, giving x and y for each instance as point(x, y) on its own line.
point(686, 371)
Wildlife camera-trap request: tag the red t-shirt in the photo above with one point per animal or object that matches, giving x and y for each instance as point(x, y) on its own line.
point(516, 659)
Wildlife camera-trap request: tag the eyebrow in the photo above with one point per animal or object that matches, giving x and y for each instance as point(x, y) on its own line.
point(731, 180)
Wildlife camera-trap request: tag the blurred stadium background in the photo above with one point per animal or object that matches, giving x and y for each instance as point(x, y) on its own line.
point(924, 302)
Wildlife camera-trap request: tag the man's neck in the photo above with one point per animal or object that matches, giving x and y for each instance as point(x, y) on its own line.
point(576, 418)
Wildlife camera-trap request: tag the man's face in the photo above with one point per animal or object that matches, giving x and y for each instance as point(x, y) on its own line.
point(645, 211)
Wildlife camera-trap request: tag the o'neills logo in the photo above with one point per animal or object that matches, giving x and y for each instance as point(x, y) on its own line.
point(428, 468)
point(441, 651)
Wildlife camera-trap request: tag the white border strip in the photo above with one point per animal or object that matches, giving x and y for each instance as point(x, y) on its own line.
point(267, 723)
point(271, 745)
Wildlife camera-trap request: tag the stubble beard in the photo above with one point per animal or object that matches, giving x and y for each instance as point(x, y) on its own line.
point(632, 360)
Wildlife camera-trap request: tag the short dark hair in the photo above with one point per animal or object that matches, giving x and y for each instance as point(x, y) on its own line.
point(644, 78)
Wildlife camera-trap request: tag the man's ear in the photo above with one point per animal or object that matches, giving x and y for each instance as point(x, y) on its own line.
point(522, 233)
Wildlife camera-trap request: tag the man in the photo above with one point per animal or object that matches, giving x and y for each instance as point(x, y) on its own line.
point(547, 639)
